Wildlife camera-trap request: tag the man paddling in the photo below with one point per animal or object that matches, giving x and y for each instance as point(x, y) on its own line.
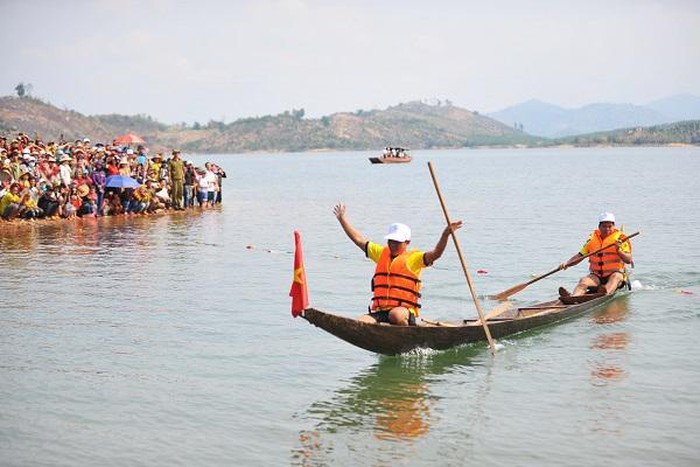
point(396, 283)
point(606, 267)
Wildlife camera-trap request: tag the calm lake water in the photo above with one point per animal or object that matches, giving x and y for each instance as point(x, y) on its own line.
point(168, 341)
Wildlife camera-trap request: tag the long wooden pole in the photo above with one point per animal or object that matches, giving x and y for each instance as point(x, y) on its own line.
point(472, 289)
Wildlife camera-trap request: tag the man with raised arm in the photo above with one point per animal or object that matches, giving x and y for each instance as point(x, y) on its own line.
point(396, 283)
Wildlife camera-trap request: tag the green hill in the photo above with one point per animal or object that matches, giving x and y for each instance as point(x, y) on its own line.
point(415, 125)
point(687, 132)
point(35, 117)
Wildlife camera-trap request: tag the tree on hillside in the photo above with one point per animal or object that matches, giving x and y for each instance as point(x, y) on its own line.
point(23, 89)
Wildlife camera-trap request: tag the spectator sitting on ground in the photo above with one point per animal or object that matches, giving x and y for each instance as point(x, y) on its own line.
point(48, 203)
point(68, 209)
point(162, 193)
point(86, 208)
point(28, 208)
point(9, 204)
point(141, 199)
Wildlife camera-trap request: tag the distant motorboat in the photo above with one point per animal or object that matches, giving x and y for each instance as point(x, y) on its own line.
point(392, 156)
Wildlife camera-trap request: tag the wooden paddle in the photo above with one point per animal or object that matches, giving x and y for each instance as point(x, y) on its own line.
point(515, 289)
point(461, 259)
point(440, 323)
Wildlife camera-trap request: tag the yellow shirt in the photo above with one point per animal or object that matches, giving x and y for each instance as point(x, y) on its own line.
point(9, 198)
point(29, 203)
point(141, 194)
point(414, 262)
point(156, 171)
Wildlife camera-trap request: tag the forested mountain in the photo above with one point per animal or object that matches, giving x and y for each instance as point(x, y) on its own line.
point(687, 132)
point(414, 125)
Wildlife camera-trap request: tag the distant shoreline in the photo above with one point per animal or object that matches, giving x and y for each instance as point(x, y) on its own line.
point(414, 125)
point(557, 146)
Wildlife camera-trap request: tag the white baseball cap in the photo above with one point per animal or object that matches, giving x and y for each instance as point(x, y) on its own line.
point(398, 232)
point(606, 217)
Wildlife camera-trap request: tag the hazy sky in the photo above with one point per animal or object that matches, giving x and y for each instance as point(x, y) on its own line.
point(200, 60)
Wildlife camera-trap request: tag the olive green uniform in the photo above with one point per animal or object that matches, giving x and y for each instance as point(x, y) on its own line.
point(176, 171)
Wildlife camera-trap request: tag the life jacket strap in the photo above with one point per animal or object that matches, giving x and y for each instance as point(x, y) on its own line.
point(398, 301)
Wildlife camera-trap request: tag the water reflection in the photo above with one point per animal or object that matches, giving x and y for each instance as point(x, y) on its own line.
point(84, 235)
point(615, 312)
point(608, 368)
point(390, 401)
point(606, 412)
point(20, 236)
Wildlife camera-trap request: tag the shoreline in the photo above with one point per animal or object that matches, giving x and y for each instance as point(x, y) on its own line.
point(516, 146)
point(23, 224)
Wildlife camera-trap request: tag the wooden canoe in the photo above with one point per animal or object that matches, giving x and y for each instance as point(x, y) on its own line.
point(390, 160)
point(393, 340)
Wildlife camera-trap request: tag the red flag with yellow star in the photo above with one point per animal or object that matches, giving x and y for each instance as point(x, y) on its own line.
point(299, 292)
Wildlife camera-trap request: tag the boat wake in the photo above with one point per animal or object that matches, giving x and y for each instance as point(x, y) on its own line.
point(636, 285)
point(420, 352)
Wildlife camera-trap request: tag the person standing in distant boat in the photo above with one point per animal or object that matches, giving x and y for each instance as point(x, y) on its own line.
point(396, 283)
point(607, 267)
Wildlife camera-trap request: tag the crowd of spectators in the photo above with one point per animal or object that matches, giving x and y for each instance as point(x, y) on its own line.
point(68, 179)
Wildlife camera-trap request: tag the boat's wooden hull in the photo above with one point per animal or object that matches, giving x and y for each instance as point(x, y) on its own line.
point(390, 160)
point(393, 340)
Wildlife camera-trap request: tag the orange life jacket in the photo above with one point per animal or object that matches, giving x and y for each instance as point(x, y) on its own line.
point(606, 262)
point(394, 284)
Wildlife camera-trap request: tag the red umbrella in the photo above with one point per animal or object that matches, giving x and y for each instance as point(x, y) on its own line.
point(128, 139)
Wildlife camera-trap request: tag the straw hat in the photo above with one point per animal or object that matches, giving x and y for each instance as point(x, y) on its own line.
point(83, 191)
